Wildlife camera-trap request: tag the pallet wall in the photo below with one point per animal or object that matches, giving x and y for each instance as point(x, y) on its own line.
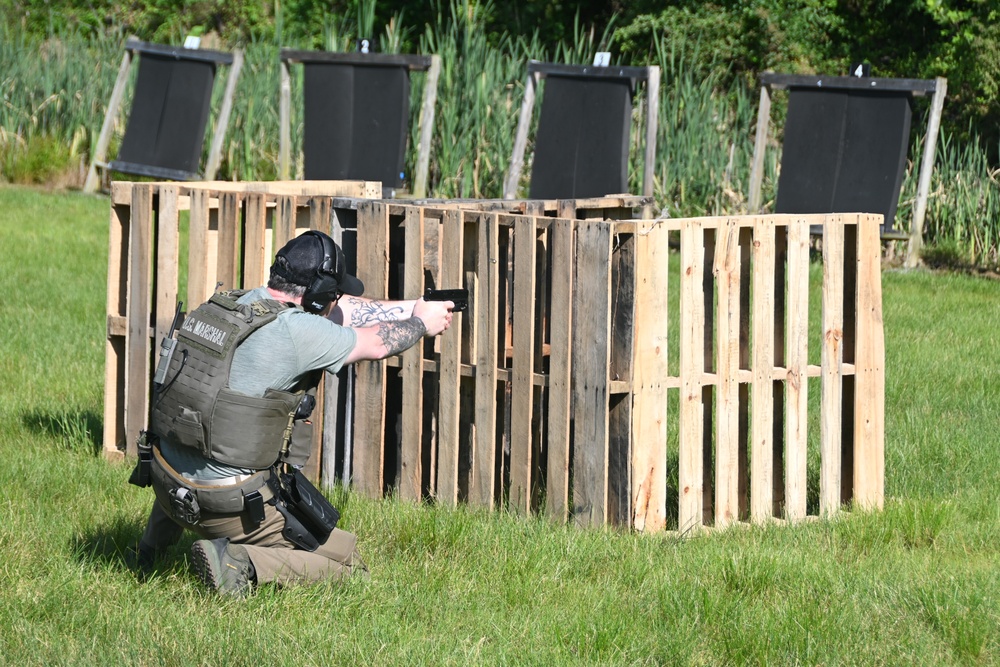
point(553, 393)
point(653, 374)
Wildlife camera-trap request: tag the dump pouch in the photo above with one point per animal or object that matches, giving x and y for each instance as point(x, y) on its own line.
point(309, 516)
point(311, 505)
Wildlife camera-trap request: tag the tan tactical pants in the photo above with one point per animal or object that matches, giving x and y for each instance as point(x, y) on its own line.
point(274, 558)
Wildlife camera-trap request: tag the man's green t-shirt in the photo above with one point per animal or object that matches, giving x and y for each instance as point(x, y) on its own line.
point(279, 355)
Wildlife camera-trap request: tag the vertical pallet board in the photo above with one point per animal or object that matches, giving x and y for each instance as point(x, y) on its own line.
point(591, 357)
point(369, 388)
point(137, 364)
point(114, 347)
point(728, 318)
point(522, 385)
point(796, 362)
point(762, 390)
point(482, 487)
point(411, 480)
point(649, 398)
point(449, 377)
point(869, 376)
point(560, 369)
point(832, 360)
point(690, 472)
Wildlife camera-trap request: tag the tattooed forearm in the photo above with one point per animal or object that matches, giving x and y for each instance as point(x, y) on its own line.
point(401, 335)
point(365, 313)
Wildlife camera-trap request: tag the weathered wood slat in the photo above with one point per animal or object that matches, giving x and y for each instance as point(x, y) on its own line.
point(256, 262)
point(523, 369)
point(560, 370)
point(591, 356)
point(449, 376)
point(649, 397)
point(762, 418)
point(869, 412)
point(202, 249)
point(832, 356)
point(797, 361)
point(483, 483)
point(229, 254)
point(727, 442)
point(369, 393)
point(137, 364)
point(411, 476)
point(690, 473)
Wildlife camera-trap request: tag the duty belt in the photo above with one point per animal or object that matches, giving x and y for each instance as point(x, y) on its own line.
point(250, 493)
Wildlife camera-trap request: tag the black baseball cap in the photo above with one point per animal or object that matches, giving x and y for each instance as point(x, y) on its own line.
point(304, 258)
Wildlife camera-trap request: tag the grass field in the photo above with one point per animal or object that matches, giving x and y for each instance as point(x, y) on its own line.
point(918, 583)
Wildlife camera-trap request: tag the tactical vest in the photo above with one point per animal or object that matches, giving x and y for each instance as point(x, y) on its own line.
point(195, 406)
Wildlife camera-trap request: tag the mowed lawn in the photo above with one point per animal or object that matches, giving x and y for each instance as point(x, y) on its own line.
point(918, 583)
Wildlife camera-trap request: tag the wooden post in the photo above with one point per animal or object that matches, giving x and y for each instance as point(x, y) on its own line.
point(426, 123)
point(652, 123)
point(926, 168)
point(285, 123)
point(762, 419)
point(215, 150)
point(449, 374)
point(483, 484)
point(108, 127)
point(521, 138)
point(759, 146)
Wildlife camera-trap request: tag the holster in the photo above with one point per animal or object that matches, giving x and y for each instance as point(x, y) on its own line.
point(309, 516)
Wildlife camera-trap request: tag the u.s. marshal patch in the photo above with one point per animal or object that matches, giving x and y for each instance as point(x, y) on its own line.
point(209, 332)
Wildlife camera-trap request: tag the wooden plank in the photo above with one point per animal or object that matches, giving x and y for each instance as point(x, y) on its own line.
point(916, 241)
point(137, 370)
point(513, 178)
point(450, 362)
point(222, 121)
point(200, 286)
point(525, 231)
point(255, 242)
point(652, 119)
point(411, 479)
point(369, 394)
point(284, 122)
point(869, 413)
point(284, 221)
point(483, 483)
point(759, 146)
point(591, 357)
point(229, 241)
point(426, 127)
point(727, 438)
point(114, 348)
point(762, 419)
point(167, 265)
point(649, 398)
point(690, 473)
point(560, 366)
point(108, 126)
point(832, 356)
point(796, 385)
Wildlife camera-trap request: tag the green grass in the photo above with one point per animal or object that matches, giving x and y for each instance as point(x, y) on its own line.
point(918, 583)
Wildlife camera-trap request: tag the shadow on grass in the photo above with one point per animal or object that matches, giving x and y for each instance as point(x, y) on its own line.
point(75, 430)
point(113, 545)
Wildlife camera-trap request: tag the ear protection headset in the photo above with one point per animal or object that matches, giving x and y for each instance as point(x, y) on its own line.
point(325, 287)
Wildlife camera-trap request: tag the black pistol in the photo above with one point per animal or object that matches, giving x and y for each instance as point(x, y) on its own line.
point(460, 297)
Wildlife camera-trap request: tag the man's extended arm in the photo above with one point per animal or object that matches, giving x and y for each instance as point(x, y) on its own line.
point(386, 338)
point(359, 311)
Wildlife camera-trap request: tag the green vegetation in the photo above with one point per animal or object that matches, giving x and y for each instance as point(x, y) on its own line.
point(57, 69)
point(917, 583)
